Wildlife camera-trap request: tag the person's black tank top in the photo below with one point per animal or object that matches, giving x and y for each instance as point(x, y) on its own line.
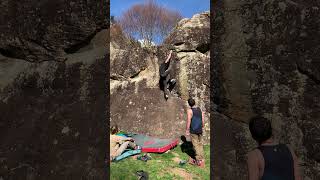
point(278, 162)
point(163, 67)
point(196, 121)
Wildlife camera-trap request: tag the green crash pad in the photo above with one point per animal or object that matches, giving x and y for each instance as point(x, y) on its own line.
point(127, 154)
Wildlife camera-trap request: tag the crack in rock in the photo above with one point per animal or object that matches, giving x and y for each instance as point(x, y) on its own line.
point(308, 74)
point(76, 47)
point(137, 74)
point(117, 77)
point(203, 48)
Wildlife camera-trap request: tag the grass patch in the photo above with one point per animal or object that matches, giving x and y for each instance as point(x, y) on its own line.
point(161, 167)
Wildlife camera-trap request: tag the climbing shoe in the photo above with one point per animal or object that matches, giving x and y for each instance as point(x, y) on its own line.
point(182, 162)
point(172, 81)
point(142, 175)
point(200, 163)
point(148, 157)
point(171, 84)
point(166, 96)
point(144, 158)
point(192, 161)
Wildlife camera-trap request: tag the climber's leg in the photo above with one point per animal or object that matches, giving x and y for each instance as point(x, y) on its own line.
point(172, 83)
point(163, 86)
point(122, 147)
point(166, 90)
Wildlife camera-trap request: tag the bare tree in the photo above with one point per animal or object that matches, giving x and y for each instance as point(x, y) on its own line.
point(149, 21)
point(112, 20)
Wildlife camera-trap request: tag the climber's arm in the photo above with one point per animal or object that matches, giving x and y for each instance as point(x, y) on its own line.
point(189, 116)
point(169, 56)
point(202, 119)
point(295, 165)
point(121, 139)
point(169, 68)
point(253, 166)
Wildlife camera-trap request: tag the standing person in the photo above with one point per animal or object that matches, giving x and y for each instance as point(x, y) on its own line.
point(164, 72)
point(270, 160)
point(119, 143)
point(195, 123)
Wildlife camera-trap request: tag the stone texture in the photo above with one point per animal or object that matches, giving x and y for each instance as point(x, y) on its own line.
point(266, 58)
point(191, 34)
point(52, 123)
point(137, 103)
point(47, 30)
point(127, 62)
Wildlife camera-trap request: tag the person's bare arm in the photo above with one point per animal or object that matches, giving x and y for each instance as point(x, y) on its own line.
point(121, 139)
point(297, 175)
point(129, 139)
point(202, 119)
point(169, 68)
point(253, 166)
point(167, 61)
point(189, 116)
point(169, 56)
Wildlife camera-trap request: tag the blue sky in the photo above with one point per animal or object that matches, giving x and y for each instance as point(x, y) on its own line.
point(186, 7)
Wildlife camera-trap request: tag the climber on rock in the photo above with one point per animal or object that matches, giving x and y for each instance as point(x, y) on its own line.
point(195, 124)
point(166, 83)
point(270, 160)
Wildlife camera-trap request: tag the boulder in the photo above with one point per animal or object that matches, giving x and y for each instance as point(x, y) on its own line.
point(52, 89)
point(137, 103)
point(266, 62)
point(47, 30)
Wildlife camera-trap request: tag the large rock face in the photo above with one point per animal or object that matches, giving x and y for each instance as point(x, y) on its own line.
point(138, 104)
point(48, 30)
point(266, 62)
point(53, 89)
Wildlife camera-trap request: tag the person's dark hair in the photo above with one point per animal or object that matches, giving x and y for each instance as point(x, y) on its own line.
point(260, 129)
point(114, 129)
point(191, 102)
